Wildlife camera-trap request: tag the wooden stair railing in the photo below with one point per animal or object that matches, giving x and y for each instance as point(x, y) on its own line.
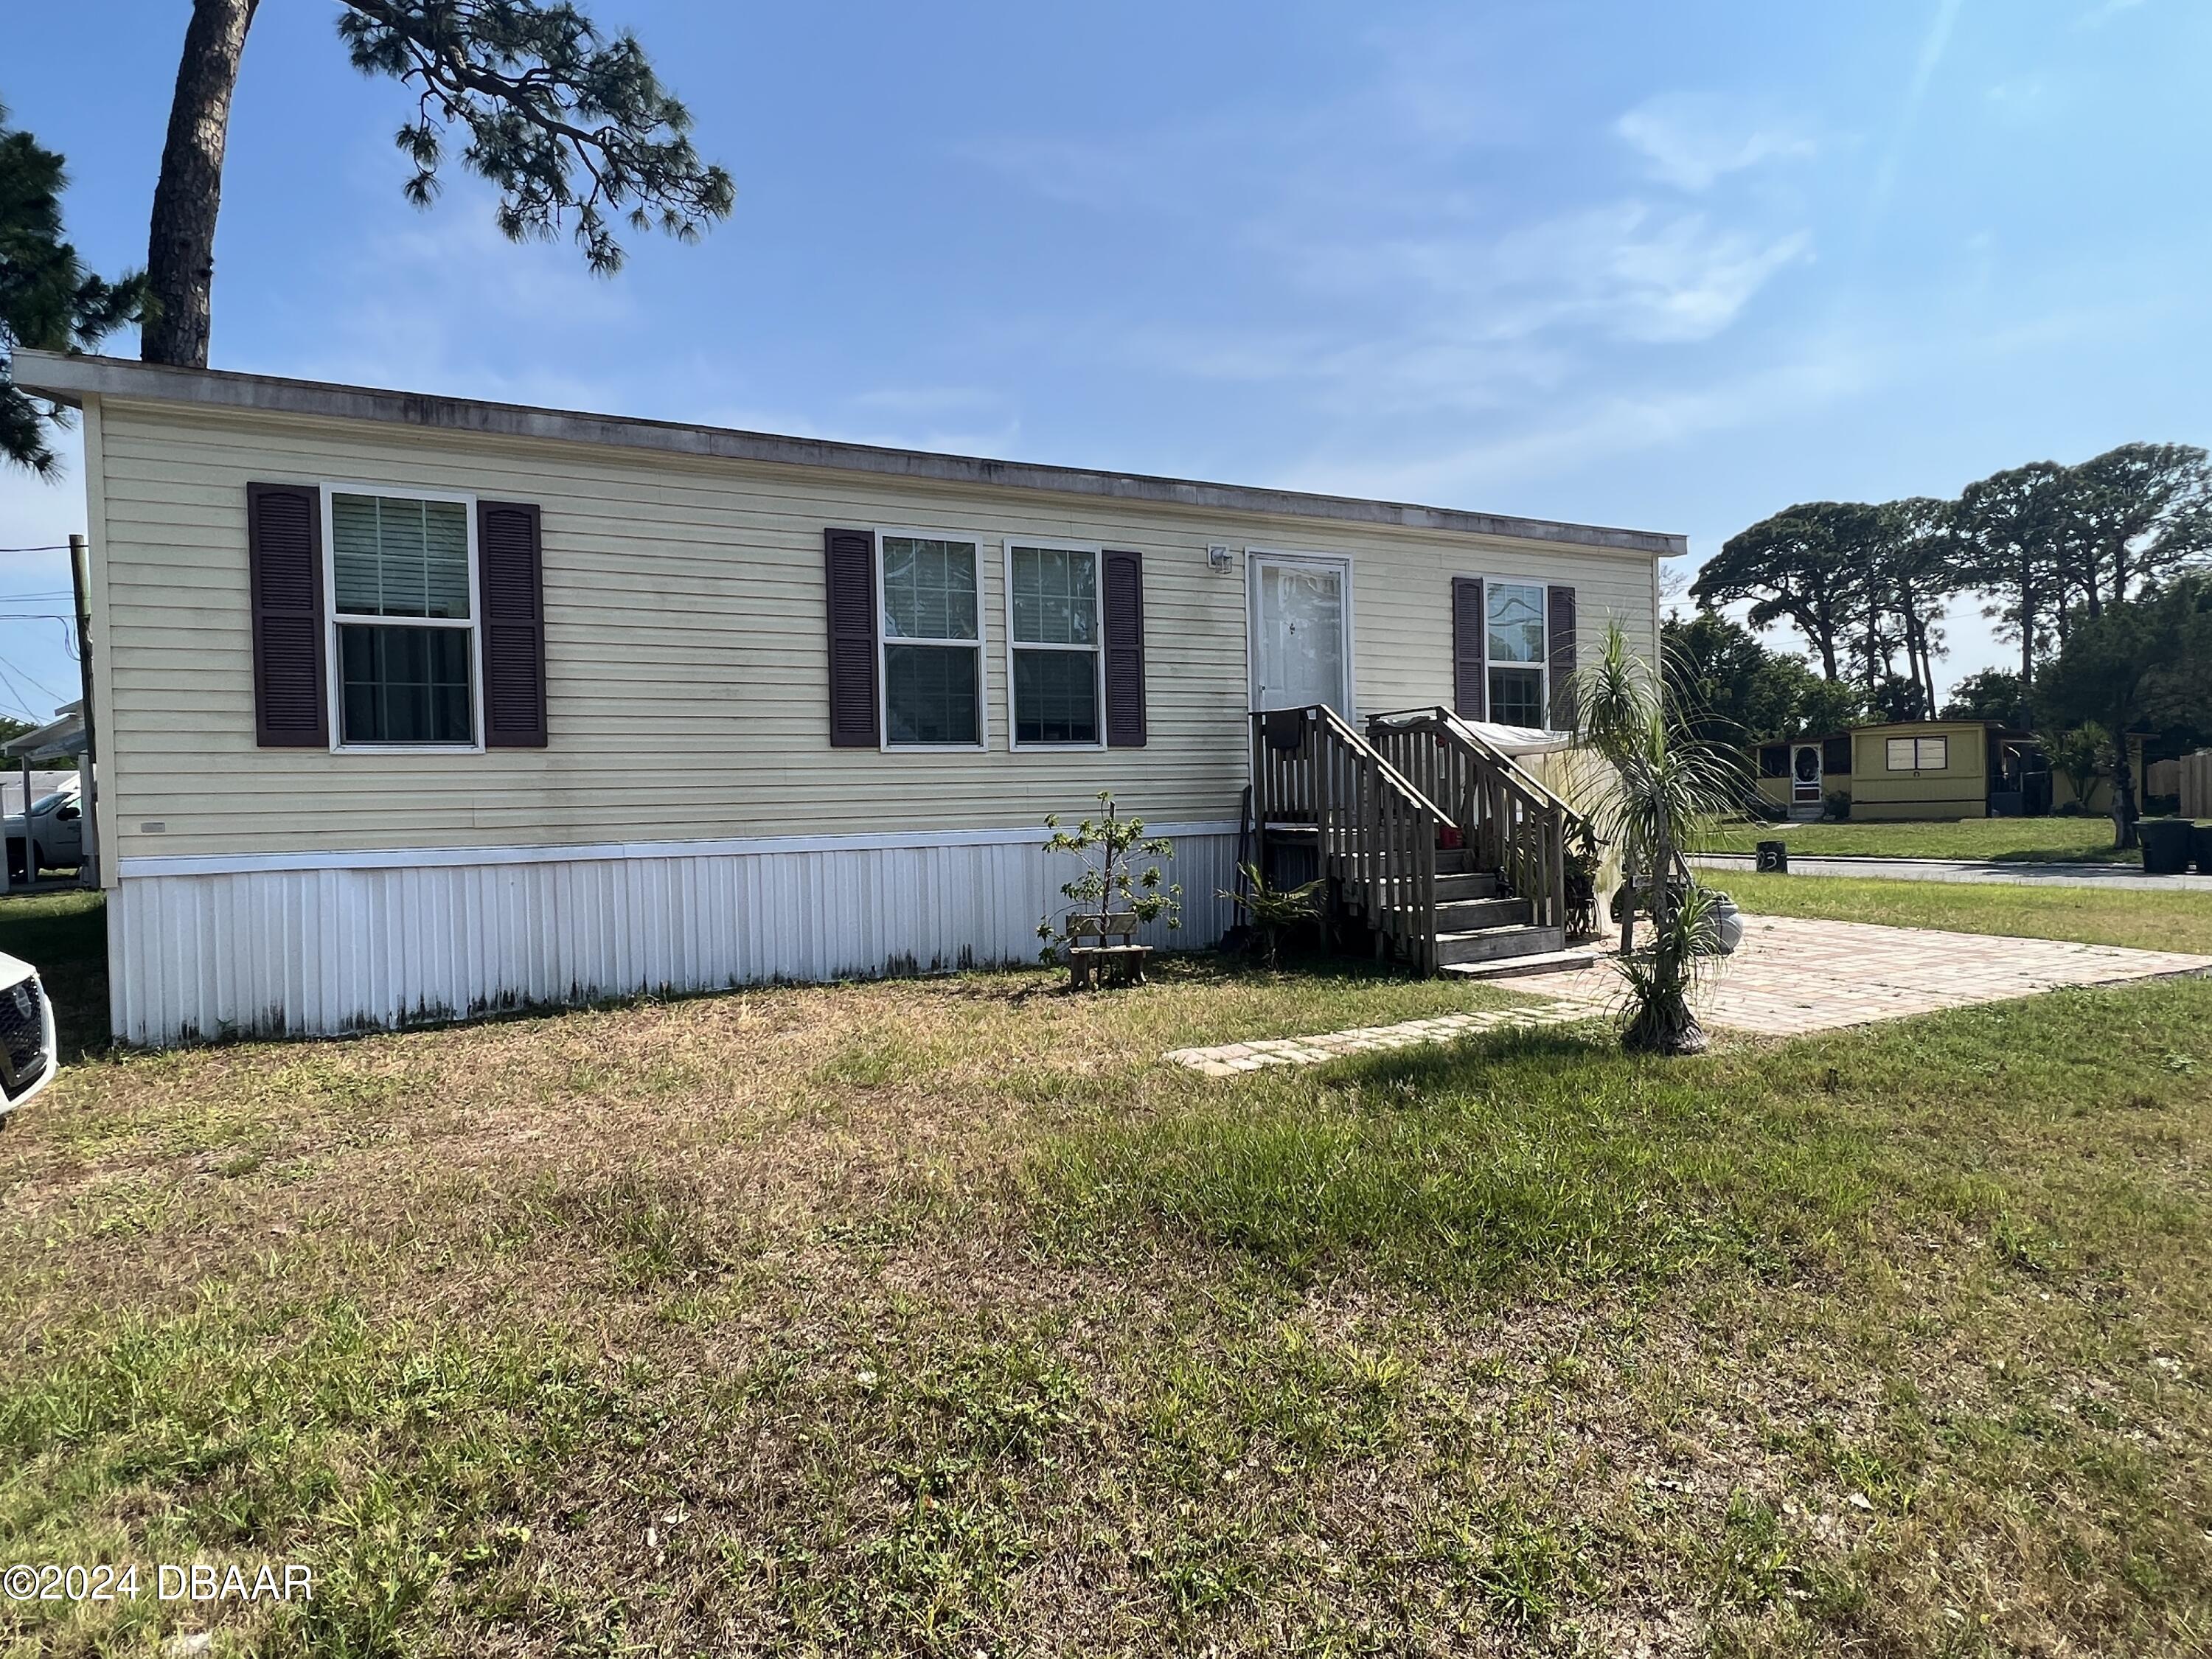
point(1376, 834)
point(1507, 819)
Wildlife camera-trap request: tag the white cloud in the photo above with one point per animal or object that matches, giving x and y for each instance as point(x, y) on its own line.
point(1692, 140)
point(1607, 424)
point(1933, 47)
point(2097, 16)
point(1633, 273)
point(1471, 319)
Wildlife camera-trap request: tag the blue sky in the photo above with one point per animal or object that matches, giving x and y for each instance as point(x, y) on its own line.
point(1672, 267)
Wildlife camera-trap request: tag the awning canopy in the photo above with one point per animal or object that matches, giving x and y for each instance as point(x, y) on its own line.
point(60, 738)
point(1520, 739)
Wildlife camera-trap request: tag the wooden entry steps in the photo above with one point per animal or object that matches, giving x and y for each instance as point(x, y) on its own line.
point(1444, 851)
point(1477, 922)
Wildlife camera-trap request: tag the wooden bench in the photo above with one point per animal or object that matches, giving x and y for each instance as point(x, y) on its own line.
point(1103, 964)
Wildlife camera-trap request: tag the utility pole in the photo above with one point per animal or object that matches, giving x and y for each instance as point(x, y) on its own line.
point(80, 581)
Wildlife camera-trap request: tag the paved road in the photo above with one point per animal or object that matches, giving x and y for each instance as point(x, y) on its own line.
point(2120, 877)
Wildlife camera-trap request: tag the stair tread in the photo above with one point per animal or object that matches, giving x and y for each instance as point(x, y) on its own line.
point(1547, 961)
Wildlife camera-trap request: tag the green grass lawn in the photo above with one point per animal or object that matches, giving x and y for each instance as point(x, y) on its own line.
point(937, 1317)
point(2061, 840)
point(2147, 920)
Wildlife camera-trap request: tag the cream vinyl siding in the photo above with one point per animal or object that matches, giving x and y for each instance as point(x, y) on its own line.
point(687, 678)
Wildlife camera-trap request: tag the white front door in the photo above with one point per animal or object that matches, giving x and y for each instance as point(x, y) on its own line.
point(1805, 768)
point(1300, 654)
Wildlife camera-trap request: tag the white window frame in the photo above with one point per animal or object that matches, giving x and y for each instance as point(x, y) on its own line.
point(1542, 665)
point(1888, 764)
point(1096, 647)
point(883, 743)
point(1256, 556)
point(334, 689)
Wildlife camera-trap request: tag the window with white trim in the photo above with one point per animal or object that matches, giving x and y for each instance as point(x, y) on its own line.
point(1053, 645)
point(1514, 625)
point(1918, 753)
point(931, 635)
point(404, 632)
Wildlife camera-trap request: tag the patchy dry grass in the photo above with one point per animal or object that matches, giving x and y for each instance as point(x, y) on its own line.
point(936, 1318)
point(2145, 921)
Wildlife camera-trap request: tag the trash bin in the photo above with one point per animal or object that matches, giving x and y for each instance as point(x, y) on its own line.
point(2166, 844)
point(2201, 839)
point(1773, 858)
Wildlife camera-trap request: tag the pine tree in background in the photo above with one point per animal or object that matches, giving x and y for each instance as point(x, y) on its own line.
point(575, 130)
point(48, 301)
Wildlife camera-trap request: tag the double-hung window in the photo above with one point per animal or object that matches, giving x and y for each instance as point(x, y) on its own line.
point(1055, 667)
point(1916, 755)
point(1514, 625)
point(931, 636)
point(402, 575)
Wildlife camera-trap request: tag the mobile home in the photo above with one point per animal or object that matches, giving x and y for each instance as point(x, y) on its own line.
point(1923, 769)
point(411, 705)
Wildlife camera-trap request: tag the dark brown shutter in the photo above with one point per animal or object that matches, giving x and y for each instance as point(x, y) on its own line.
point(510, 574)
point(1559, 629)
point(284, 568)
point(1469, 630)
point(849, 558)
point(1124, 596)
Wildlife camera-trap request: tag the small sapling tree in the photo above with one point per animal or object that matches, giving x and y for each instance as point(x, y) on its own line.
point(1120, 875)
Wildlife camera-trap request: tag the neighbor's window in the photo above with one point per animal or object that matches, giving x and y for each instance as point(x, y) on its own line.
point(1774, 760)
point(1516, 653)
point(406, 640)
point(1918, 754)
point(1053, 638)
point(931, 642)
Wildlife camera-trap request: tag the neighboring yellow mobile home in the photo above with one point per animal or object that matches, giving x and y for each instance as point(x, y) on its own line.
point(1922, 769)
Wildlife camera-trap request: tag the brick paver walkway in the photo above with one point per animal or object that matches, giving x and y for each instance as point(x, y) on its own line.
point(1229, 1059)
point(1789, 976)
point(1792, 976)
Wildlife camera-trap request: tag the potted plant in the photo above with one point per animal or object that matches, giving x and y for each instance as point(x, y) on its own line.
point(1273, 910)
point(1582, 883)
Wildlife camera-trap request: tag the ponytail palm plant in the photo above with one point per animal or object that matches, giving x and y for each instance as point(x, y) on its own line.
point(1653, 793)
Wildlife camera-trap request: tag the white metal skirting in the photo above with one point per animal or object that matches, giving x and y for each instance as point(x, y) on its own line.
point(288, 950)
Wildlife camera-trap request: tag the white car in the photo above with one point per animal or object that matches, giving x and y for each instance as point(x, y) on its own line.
point(26, 1035)
point(56, 835)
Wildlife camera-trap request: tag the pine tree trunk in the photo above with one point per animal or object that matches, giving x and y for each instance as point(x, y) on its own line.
point(180, 247)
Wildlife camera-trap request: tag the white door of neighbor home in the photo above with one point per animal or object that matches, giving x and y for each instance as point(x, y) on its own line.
point(1805, 770)
point(1301, 631)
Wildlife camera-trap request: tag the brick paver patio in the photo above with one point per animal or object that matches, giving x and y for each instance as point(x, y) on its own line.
point(1789, 976)
point(1792, 976)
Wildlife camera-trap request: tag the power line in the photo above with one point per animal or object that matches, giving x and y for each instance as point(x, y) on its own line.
point(43, 547)
point(27, 674)
point(22, 702)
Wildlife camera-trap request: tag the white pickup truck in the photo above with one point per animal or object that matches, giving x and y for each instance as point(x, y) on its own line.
point(54, 836)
